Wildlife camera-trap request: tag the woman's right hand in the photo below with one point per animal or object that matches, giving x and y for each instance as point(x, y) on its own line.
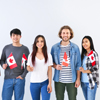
point(82, 69)
point(30, 69)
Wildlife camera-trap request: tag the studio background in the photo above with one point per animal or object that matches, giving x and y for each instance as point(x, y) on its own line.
point(46, 17)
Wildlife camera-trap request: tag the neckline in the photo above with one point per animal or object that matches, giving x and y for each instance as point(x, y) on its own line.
point(17, 46)
point(40, 59)
point(65, 45)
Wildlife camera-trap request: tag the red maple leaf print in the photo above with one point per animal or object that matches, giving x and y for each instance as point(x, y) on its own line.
point(65, 63)
point(11, 60)
point(65, 56)
point(92, 57)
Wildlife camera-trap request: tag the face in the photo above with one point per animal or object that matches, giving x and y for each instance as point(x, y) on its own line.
point(40, 43)
point(65, 34)
point(15, 38)
point(86, 44)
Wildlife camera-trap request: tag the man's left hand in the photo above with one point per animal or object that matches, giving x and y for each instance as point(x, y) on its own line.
point(77, 83)
point(19, 77)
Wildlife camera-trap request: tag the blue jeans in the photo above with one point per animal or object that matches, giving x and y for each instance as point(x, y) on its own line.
point(10, 85)
point(37, 88)
point(89, 94)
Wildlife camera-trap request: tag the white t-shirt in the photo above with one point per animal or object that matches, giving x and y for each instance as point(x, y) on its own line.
point(0, 65)
point(39, 74)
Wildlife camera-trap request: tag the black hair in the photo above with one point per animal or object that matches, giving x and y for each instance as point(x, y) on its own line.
point(91, 46)
point(15, 31)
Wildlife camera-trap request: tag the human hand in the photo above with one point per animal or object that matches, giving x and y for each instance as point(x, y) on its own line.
point(19, 77)
point(58, 67)
point(30, 69)
point(77, 83)
point(4, 66)
point(49, 88)
point(82, 69)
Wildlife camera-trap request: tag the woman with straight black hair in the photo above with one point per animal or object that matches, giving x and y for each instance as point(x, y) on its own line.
point(89, 69)
point(39, 64)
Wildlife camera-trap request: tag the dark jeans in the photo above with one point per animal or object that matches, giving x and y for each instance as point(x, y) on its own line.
point(60, 89)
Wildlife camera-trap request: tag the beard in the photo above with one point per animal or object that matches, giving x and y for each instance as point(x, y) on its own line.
point(65, 40)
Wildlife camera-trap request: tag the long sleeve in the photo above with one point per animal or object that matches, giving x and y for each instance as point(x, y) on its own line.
point(96, 66)
point(3, 57)
point(25, 70)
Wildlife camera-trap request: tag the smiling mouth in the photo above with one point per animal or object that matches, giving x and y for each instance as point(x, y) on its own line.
point(39, 45)
point(65, 37)
point(15, 39)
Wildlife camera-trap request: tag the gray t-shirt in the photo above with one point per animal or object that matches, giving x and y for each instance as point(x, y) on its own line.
point(17, 54)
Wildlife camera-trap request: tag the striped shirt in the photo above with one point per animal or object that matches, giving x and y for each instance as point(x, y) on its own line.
point(66, 72)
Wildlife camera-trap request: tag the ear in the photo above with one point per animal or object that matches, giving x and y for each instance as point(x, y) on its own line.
point(60, 35)
point(70, 35)
point(11, 37)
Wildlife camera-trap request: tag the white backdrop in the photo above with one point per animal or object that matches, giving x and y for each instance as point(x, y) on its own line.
point(45, 17)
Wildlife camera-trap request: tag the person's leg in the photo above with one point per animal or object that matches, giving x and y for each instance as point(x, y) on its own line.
point(59, 90)
point(95, 89)
point(71, 90)
point(84, 89)
point(44, 92)
point(35, 90)
point(19, 89)
point(91, 92)
point(7, 91)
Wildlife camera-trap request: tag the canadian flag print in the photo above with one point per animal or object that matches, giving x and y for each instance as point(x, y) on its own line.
point(65, 61)
point(24, 58)
point(92, 59)
point(11, 61)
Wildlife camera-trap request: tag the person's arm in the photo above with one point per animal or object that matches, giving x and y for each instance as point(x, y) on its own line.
point(58, 67)
point(96, 66)
point(49, 88)
point(3, 60)
point(29, 68)
point(25, 70)
point(84, 71)
point(77, 83)
point(93, 68)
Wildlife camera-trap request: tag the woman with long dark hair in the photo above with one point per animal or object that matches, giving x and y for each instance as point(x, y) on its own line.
point(39, 64)
point(89, 69)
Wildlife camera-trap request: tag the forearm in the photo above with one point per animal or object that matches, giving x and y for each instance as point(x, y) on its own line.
point(78, 74)
point(3, 58)
point(2, 61)
point(54, 65)
point(50, 75)
point(28, 69)
point(87, 71)
point(24, 73)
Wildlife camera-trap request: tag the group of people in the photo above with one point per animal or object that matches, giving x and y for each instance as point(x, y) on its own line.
point(71, 67)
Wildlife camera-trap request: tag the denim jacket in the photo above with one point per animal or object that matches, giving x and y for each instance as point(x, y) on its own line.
point(75, 60)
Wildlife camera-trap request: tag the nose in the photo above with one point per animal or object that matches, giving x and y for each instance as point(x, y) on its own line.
point(15, 36)
point(65, 34)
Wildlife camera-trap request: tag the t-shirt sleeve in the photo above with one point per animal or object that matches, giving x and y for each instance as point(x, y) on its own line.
point(50, 62)
point(29, 59)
